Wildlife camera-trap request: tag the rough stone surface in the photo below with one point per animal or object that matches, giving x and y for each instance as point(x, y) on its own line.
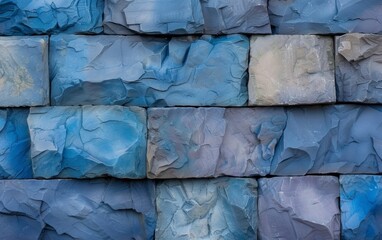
point(299, 208)
point(223, 208)
point(359, 68)
point(72, 209)
point(24, 76)
point(22, 17)
point(212, 142)
point(325, 17)
point(289, 70)
point(189, 71)
point(186, 16)
point(15, 161)
point(87, 142)
point(361, 208)
point(330, 139)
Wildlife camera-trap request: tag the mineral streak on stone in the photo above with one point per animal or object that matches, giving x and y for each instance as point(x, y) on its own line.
point(212, 142)
point(22, 17)
point(131, 70)
point(359, 68)
point(361, 207)
point(223, 208)
point(330, 139)
point(89, 141)
point(299, 208)
point(73, 209)
point(289, 70)
point(325, 17)
point(15, 161)
point(24, 76)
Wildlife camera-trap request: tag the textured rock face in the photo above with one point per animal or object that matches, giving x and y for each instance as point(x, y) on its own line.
point(87, 142)
point(330, 139)
point(186, 16)
point(211, 142)
point(334, 16)
point(288, 70)
point(24, 77)
point(361, 209)
point(70, 209)
point(223, 208)
point(15, 161)
point(359, 68)
point(194, 71)
point(50, 16)
point(299, 208)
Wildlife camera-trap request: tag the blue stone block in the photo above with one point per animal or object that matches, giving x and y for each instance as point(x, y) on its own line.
point(15, 160)
point(223, 208)
point(22, 17)
point(72, 209)
point(131, 70)
point(24, 76)
point(212, 142)
point(361, 207)
point(325, 17)
point(88, 142)
point(299, 208)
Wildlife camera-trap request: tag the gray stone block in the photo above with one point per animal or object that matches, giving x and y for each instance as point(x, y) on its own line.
point(72, 209)
point(223, 208)
point(24, 76)
point(212, 142)
point(299, 208)
point(88, 142)
point(289, 70)
point(186, 71)
point(50, 16)
point(325, 17)
point(359, 68)
point(361, 207)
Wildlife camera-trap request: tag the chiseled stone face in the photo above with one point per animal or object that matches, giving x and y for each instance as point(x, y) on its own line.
point(290, 70)
point(15, 160)
point(19, 17)
point(325, 17)
point(72, 209)
point(24, 76)
point(361, 206)
point(89, 141)
point(212, 142)
point(184, 71)
point(299, 208)
point(222, 208)
point(359, 68)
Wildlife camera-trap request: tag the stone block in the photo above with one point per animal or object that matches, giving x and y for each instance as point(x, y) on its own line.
point(290, 70)
point(24, 76)
point(15, 160)
point(88, 142)
point(361, 207)
point(359, 68)
point(299, 208)
point(223, 208)
point(72, 209)
point(325, 17)
point(50, 16)
point(131, 70)
point(212, 142)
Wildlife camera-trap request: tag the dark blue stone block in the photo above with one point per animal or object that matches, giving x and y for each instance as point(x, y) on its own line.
point(72, 209)
point(15, 161)
point(189, 71)
point(361, 207)
point(23, 17)
point(325, 17)
point(88, 142)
